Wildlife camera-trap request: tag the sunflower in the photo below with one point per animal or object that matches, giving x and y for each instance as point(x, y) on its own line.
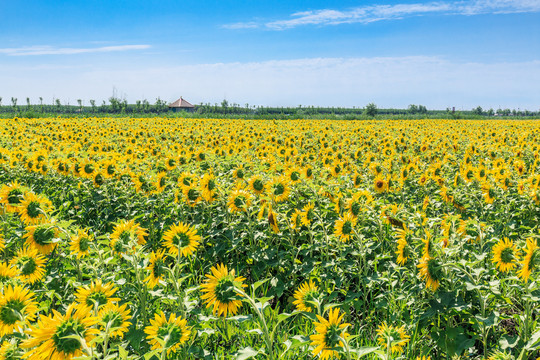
point(80, 244)
point(504, 254)
point(488, 193)
point(308, 172)
point(161, 182)
point(88, 169)
point(239, 173)
point(192, 194)
point(428, 245)
point(157, 268)
point(380, 184)
point(306, 294)
point(115, 319)
point(110, 170)
point(7, 272)
point(34, 208)
point(96, 295)
point(42, 236)
point(272, 220)
point(430, 271)
point(392, 337)
point(186, 179)
point(127, 234)
point(170, 163)
point(181, 239)
point(11, 196)
point(167, 334)
point(209, 187)
point(257, 185)
point(58, 337)
point(403, 251)
point(530, 261)
point(344, 227)
point(17, 308)
point(219, 291)
point(330, 334)
point(293, 175)
point(279, 189)
point(239, 201)
point(10, 350)
point(308, 214)
point(296, 219)
point(30, 265)
point(98, 179)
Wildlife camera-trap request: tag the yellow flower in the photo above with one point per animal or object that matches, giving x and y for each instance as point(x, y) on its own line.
point(17, 308)
point(403, 248)
point(257, 185)
point(239, 201)
point(157, 268)
point(329, 334)
point(56, 337)
point(430, 271)
point(380, 184)
point(96, 295)
point(11, 196)
point(209, 187)
point(34, 208)
point(344, 227)
point(504, 255)
point(530, 261)
point(219, 291)
point(279, 189)
point(42, 236)
point(127, 234)
point(182, 239)
point(308, 214)
point(7, 272)
point(115, 319)
point(392, 337)
point(80, 244)
point(167, 335)
point(306, 293)
point(30, 265)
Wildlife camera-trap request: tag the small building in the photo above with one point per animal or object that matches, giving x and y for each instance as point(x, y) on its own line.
point(181, 105)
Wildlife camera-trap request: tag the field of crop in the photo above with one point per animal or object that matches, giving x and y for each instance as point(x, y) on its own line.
point(191, 239)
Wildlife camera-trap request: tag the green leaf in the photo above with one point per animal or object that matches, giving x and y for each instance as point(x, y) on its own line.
point(365, 350)
point(246, 353)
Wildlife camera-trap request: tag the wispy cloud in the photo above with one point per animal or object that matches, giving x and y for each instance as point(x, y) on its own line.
point(373, 13)
point(51, 50)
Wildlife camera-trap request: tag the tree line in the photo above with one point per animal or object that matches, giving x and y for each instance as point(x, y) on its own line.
point(117, 106)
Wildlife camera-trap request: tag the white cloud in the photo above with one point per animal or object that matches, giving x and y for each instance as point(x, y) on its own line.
point(387, 81)
point(372, 13)
point(51, 50)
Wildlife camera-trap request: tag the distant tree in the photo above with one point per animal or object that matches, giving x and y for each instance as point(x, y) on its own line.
point(79, 101)
point(371, 110)
point(0, 101)
point(115, 104)
point(413, 109)
point(224, 105)
point(146, 106)
point(28, 103)
point(93, 104)
point(41, 103)
point(14, 103)
point(138, 106)
point(58, 105)
point(490, 112)
point(422, 109)
point(478, 110)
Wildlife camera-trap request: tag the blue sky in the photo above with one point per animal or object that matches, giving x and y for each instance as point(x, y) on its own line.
point(331, 53)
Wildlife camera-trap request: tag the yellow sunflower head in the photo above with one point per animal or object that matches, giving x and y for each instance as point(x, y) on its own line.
point(167, 334)
point(220, 291)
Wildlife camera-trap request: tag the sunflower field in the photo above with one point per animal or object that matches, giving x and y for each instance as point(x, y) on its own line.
point(235, 239)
